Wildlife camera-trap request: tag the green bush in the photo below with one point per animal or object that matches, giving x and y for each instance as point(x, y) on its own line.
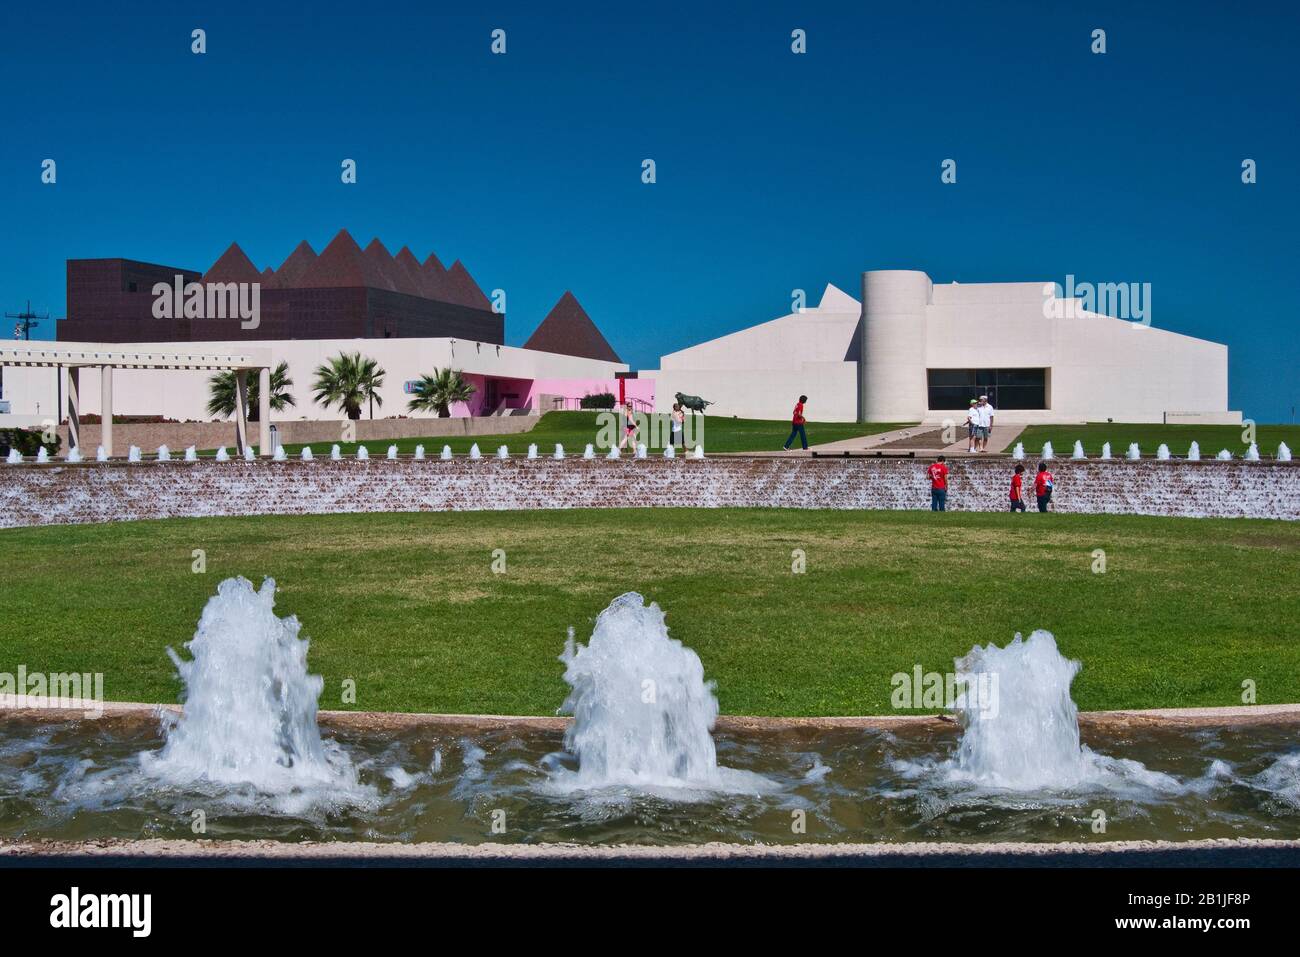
point(26, 441)
point(601, 400)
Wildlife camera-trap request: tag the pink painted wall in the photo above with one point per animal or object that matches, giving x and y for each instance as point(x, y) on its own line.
point(640, 391)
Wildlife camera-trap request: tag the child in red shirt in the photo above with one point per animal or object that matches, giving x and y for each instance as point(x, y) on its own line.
point(938, 473)
point(1017, 490)
point(1043, 485)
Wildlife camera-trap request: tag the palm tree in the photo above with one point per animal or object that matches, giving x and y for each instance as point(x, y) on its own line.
point(221, 392)
point(347, 381)
point(437, 392)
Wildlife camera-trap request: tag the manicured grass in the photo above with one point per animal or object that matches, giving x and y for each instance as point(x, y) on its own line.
point(1212, 438)
point(574, 430)
point(408, 606)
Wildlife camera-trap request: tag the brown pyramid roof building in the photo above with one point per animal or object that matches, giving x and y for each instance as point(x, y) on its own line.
point(233, 266)
point(569, 331)
point(464, 289)
point(287, 276)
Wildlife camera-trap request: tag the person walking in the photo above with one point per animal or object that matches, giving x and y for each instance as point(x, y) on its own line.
point(1043, 486)
point(677, 436)
point(797, 423)
point(938, 473)
point(972, 426)
point(629, 426)
point(1018, 490)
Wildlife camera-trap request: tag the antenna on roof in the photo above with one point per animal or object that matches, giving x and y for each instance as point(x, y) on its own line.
point(26, 319)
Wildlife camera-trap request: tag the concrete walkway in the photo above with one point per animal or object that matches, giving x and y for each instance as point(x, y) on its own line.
point(1001, 438)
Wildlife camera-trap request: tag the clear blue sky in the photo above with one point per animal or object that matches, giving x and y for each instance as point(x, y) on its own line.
point(775, 171)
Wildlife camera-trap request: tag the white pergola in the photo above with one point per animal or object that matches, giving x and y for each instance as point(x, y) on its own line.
point(75, 356)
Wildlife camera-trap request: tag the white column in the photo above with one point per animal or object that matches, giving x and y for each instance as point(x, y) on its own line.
point(241, 410)
point(106, 408)
point(74, 408)
point(264, 411)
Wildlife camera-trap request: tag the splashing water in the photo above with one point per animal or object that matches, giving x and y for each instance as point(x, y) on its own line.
point(1162, 453)
point(14, 457)
point(335, 453)
point(698, 453)
point(101, 454)
point(1283, 452)
point(133, 454)
point(250, 710)
point(191, 453)
point(1018, 453)
point(613, 452)
point(419, 453)
point(392, 453)
point(363, 453)
point(1252, 453)
point(248, 454)
point(532, 450)
point(280, 455)
point(1134, 452)
point(1194, 451)
point(559, 450)
point(589, 452)
point(42, 455)
point(74, 454)
point(503, 452)
point(164, 454)
point(1048, 453)
point(1078, 450)
point(306, 454)
point(1105, 450)
point(222, 454)
point(1224, 455)
point(446, 453)
point(641, 451)
point(1020, 727)
point(670, 452)
point(474, 453)
point(642, 711)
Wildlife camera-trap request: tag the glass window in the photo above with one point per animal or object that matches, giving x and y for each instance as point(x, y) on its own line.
point(1006, 388)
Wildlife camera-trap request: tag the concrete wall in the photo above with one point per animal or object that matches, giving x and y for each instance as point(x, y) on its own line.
point(70, 494)
point(1099, 367)
point(184, 395)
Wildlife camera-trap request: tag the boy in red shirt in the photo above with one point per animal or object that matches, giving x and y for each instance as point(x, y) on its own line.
point(797, 420)
point(1043, 485)
point(1018, 490)
point(938, 473)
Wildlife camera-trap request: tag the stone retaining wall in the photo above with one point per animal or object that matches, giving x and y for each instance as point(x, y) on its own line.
point(93, 492)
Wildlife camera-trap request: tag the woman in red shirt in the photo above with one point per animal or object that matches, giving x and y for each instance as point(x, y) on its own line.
point(797, 421)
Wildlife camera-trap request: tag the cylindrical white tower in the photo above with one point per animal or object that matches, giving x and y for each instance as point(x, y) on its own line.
point(891, 363)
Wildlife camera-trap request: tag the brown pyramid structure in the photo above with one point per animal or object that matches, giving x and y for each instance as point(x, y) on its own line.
point(268, 277)
point(425, 285)
point(291, 271)
point(233, 266)
point(341, 263)
point(569, 331)
point(464, 289)
point(385, 271)
point(437, 275)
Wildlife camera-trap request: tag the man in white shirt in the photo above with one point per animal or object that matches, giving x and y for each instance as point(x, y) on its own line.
point(972, 426)
point(985, 413)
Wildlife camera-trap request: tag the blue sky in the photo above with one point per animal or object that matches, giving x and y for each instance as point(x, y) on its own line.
point(775, 171)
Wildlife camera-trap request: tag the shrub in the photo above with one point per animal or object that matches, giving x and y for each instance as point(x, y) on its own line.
point(601, 400)
point(26, 441)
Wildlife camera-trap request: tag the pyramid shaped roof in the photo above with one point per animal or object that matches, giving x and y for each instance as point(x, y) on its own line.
point(292, 269)
point(341, 263)
point(463, 287)
point(233, 266)
point(569, 331)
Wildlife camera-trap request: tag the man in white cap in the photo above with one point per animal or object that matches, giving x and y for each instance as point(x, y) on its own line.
point(972, 426)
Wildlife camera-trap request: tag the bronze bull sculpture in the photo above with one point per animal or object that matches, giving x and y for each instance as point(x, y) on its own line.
point(692, 402)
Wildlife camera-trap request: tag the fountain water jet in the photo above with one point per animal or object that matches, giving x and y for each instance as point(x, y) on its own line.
point(335, 453)
point(1252, 453)
point(559, 450)
point(1048, 453)
point(250, 709)
point(1105, 450)
point(642, 711)
point(222, 454)
point(306, 454)
point(446, 453)
point(1162, 453)
point(1018, 453)
point(1194, 451)
point(1134, 452)
point(101, 454)
point(1078, 450)
point(419, 453)
point(474, 453)
point(392, 452)
point(1283, 452)
point(164, 454)
point(363, 453)
point(42, 455)
point(248, 454)
point(133, 454)
point(589, 452)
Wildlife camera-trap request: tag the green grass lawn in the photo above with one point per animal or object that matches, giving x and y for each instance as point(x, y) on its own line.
point(1149, 436)
point(408, 607)
point(574, 430)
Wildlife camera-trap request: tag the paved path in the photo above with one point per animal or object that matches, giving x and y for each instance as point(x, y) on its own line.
point(1001, 438)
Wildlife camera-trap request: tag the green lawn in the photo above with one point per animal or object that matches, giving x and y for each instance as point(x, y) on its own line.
point(1149, 436)
point(408, 606)
point(574, 430)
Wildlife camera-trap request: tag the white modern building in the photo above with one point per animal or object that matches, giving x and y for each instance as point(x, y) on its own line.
point(912, 350)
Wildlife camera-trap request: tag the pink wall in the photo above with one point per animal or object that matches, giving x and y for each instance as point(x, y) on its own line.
point(640, 391)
